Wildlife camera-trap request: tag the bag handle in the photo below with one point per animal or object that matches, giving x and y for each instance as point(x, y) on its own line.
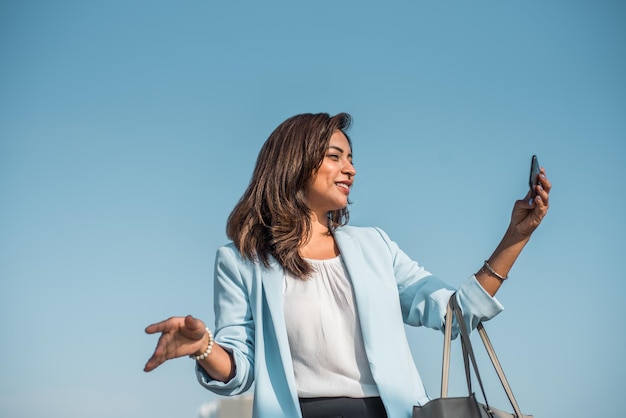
point(468, 353)
point(499, 370)
point(447, 342)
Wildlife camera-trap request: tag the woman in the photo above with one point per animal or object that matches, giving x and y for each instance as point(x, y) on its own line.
point(312, 310)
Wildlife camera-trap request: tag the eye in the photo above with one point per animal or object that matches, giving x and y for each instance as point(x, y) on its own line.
point(333, 157)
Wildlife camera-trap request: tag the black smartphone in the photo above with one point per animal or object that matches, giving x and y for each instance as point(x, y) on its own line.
point(534, 174)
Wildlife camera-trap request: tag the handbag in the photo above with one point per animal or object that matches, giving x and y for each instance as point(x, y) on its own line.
point(467, 406)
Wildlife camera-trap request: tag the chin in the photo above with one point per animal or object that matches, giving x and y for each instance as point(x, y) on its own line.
point(339, 208)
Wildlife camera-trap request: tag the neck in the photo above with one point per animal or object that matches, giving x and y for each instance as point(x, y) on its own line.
point(319, 224)
point(321, 243)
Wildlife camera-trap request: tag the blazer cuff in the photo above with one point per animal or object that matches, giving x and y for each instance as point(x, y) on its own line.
point(234, 386)
point(476, 303)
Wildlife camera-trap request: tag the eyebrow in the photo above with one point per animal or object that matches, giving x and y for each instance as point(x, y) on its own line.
point(339, 149)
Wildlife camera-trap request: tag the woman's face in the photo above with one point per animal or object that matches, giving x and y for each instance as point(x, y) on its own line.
point(330, 186)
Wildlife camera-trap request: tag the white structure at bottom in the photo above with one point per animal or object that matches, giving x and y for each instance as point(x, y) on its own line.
point(228, 407)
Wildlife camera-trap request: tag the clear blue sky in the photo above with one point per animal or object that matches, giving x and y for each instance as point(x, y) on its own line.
point(129, 129)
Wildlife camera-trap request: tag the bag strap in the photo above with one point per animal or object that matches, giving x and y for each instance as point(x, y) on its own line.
point(447, 342)
point(499, 370)
point(468, 353)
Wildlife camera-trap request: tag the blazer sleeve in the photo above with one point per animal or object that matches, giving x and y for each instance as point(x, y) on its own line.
point(234, 322)
point(424, 297)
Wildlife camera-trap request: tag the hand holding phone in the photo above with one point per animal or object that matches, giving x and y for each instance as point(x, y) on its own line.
point(533, 179)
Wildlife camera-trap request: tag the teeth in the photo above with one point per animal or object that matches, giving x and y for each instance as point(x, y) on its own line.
point(343, 185)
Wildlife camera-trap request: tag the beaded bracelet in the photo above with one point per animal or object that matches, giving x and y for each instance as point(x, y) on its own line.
point(492, 271)
point(208, 349)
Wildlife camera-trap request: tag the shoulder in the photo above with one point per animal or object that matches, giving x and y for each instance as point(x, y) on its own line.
point(373, 238)
point(229, 257)
point(229, 254)
point(364, 232)
point(229, 250)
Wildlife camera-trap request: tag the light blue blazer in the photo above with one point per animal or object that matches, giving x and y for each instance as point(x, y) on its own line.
point(390, 289)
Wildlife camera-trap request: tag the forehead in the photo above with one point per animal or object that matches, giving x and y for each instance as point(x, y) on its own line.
point(339, 140)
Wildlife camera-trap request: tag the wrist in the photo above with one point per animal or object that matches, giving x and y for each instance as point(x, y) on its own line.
point(514, 236)
point(488, 269)
point(205, 348)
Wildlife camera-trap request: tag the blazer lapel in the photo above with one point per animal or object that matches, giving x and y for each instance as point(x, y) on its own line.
point(363, 285)
point(272, 279)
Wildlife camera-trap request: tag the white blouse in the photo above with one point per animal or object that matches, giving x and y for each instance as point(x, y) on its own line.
point(324, 334)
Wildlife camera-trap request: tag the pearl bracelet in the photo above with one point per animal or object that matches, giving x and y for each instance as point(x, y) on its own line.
point(492, 271)
point(208, 349)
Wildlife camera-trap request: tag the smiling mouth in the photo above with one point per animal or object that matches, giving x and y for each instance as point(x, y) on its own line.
point(345, 187)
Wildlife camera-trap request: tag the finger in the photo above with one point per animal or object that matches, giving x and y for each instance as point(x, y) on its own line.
point(527, 201)
point(154, 361)
point(543, 194)
point(523, 206)
point(543, 189)
point(151, 364)
point(162, 326)
point(541, 206)
point(543, 180)
point(160, 354)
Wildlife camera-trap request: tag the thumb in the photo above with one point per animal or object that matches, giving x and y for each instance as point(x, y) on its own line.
point(194, 328)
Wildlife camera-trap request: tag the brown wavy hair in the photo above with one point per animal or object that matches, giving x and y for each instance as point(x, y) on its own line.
point(272, 216)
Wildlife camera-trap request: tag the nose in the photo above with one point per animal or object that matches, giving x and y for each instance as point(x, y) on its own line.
point(349, 169)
